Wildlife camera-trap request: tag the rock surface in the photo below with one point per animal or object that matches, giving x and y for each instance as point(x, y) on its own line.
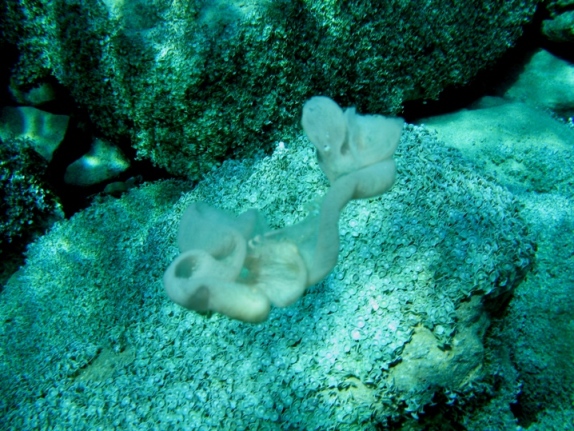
point(416, 267)
point(546, 82)
point(531, 152)
point(192, 83)
point(44, 131)
point(103, 162)
point(513, 141)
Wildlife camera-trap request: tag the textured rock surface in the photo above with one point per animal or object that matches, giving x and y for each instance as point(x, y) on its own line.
point(533, 343)
point(539, 327)
point(44, 131)
point(103, 162)
point(546, 82)
point(416, 267)
point(26, 203)
point(191, 83)
point(512, 141)
point(560, 27)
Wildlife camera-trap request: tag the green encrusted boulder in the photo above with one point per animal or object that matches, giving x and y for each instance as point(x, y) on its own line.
point(89, 338)
point(191, 83)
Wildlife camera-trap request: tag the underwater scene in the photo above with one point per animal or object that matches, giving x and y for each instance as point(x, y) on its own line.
point(287, 215)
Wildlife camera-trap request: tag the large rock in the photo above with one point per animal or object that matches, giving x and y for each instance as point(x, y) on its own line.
point(27, 205)
point(529, 151)
point(513, 141)
point(191, 83)
point(397, 326)
point(43, 130)
point(545, 82)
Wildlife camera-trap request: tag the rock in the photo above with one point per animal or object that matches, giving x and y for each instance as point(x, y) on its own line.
point(514, 142)
point(191, 84)
point(103, 162)
point(35, 96)
point(561, 28)
point(405, 300)
point(547, 82)
point(424, 363)
point(45, 131)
